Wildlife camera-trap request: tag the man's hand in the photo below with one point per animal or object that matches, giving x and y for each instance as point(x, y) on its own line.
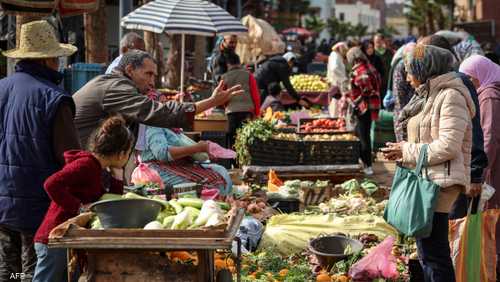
point(220, 96)
point(475, 190)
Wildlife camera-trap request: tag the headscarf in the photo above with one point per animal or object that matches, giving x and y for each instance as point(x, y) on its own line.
point(340, 47)
point(426, 62)
point(481, 68)
point(354, 54)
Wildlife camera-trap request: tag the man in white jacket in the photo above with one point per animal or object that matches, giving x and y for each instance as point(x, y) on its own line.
point(337, 75)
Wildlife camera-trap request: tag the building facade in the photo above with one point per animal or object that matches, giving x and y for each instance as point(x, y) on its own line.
point(358, 13)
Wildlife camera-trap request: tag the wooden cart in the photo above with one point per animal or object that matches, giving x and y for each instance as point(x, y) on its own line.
point(139, 255)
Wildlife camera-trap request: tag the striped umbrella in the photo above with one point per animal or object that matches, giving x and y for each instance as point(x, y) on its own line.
point(193, 17)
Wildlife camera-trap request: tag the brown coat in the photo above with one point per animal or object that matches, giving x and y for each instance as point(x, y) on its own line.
point(445, 124)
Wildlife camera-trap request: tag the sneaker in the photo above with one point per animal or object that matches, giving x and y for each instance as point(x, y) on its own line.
point(368, 171)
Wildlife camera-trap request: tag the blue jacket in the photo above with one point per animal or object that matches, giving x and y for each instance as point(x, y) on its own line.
point(29, 100)
point(479, 160)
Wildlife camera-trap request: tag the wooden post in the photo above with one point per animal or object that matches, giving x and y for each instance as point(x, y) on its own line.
point(96, 43)
point(174, 62)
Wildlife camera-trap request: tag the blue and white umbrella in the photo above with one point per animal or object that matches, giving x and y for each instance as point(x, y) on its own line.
point(193, 17)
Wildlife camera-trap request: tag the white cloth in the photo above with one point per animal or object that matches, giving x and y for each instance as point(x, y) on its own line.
point(336, 71)
point(113, 64)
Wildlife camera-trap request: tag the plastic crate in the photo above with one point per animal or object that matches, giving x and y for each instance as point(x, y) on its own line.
point(331, 152)
point(79, 74)
point(275, 152)
point(285, 205)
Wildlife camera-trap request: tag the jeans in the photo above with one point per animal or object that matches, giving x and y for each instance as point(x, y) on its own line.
point(434, 252)
point(17, 256)
point(51, 264)
point(363, 131)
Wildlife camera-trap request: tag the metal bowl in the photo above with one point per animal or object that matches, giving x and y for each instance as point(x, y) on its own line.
point(330, 249)
point(126, 213)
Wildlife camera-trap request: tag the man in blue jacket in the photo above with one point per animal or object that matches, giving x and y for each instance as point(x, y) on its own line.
point(36, 127)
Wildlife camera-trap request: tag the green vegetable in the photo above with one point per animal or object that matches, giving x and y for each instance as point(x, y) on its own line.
point(182, 220)
point(352, 186)
point(209, 208)
point(188, 202)
point(193, 212)
point(95, 223)
point(258, 129)
point(110, 196)
point(168, 221)
point(131, 195)
point(224, 206)
point(369, 186)
point(177, 207)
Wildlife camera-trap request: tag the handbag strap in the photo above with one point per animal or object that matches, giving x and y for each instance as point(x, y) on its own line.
point(422, 159)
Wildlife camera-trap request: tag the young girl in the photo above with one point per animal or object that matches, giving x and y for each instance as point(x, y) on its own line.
point(77, 185)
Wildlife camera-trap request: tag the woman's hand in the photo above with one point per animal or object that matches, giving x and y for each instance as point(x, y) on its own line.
point(475, 190)
point(202, 147)
point(393, 151)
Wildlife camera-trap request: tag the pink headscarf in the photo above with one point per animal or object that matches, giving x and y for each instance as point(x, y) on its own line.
point(340, 47)
point(481, 68)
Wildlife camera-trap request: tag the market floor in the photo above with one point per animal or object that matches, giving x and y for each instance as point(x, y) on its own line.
point(383, 171)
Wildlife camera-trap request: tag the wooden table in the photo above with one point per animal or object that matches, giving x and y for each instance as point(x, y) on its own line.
point(211, 124)
point(335, 173)
point(115, 255)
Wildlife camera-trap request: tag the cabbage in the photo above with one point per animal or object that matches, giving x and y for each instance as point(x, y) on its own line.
point(153, 225)
point(215, 219)
point(168, 222)
point(182, 220)
point(209, 208)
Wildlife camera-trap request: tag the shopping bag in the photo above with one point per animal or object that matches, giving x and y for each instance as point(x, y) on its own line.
point(412, 201)
point(378, 263)
point(472, 245)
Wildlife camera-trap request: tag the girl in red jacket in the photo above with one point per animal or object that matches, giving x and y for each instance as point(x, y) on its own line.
point(79, 184)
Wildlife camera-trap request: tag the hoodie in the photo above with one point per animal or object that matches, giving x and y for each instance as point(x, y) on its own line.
point(277, 70)
point(78, 183)
point(489, 100)
point(445, 123)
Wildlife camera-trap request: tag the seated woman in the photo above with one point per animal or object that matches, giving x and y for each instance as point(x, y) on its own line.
point(172, 154)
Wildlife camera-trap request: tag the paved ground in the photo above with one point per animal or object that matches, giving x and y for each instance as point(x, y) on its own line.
point(384, 171)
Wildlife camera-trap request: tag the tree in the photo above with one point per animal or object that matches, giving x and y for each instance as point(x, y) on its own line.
point(96, 50)
point(315, 24)
point(428, 16)
point(340, 30)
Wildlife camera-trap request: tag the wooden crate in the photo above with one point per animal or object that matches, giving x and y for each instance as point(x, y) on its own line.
point(314, 196)
point(122, 255)
point(210, 125)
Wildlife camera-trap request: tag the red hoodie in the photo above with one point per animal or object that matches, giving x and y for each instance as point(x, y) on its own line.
point(79, 182)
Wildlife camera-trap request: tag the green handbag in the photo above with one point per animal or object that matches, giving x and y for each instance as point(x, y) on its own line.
point(412, 200)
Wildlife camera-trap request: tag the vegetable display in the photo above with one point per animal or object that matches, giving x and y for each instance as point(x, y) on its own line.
point(246, 136)
point(322, 125)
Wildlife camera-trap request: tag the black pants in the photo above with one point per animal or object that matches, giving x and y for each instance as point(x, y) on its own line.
point(17, 255)
point(434, 252)
point(235, 121)
point(363, 131)
point(461, 206)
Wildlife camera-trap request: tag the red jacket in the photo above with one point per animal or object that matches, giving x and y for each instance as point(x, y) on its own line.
point(79, 182)
point(365, 89)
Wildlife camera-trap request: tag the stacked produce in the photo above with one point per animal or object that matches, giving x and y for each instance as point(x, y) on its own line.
point(322, 125)
point(183, 213)
point(353, 204)
point(309, 83)
point(315, 137)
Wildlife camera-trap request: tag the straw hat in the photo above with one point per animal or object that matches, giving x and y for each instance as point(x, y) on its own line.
point(38, 41)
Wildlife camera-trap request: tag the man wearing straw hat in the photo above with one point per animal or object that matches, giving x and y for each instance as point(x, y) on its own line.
point(36, 128)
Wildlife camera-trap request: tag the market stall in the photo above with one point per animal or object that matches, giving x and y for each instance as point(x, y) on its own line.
point(114, 251)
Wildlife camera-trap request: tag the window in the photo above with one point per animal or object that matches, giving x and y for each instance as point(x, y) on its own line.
point(341, 17)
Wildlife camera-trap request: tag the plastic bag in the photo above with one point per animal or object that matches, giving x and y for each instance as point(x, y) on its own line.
point(474, 236)
point(486, 194)
point(379, 263)
point(219, 152)
point(144, 175)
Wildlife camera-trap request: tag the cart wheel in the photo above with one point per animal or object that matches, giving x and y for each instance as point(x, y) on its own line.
point(224, 276)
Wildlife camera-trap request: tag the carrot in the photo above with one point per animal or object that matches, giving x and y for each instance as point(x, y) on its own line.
point(283, 272)
point(323, 277)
